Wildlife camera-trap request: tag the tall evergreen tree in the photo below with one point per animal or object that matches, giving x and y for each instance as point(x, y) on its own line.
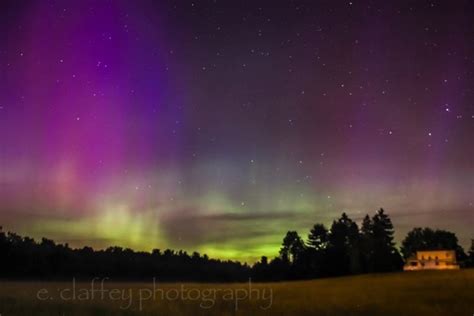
point(367, 244)
point(318, 240)
point(385, 255)
point(343, 247)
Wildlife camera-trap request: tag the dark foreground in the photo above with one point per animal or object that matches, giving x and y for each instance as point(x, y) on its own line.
point(416, 293)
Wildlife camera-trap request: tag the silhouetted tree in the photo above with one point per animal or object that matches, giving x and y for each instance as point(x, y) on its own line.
point(471, 254)
point(367, 244)
point(261, 270)
point(292, 248)
point(318, 240)
point(318, 237)
point(385, 256)
point(343, 247)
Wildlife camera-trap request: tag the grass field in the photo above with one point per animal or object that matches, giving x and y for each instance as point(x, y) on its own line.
point(416, 293)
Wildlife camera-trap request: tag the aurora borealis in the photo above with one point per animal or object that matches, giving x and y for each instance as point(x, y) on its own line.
point(217, 126)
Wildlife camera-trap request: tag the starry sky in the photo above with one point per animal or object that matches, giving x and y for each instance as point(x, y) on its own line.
point(217, 125)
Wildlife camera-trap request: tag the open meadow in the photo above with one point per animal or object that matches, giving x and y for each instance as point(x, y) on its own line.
point(415, 293)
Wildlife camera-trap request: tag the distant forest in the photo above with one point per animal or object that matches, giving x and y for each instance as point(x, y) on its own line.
point(342, 249)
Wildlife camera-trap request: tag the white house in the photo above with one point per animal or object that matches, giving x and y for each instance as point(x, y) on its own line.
point(432, 260)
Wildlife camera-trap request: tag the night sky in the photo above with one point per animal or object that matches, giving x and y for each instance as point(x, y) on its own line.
point(217, 126)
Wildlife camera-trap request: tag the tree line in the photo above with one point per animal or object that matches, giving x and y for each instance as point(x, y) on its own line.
point(346, 249)
point(342, 249)
point(24, 258)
